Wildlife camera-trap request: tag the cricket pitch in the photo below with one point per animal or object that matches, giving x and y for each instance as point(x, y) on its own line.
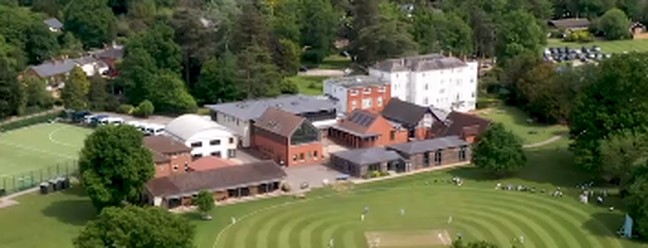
point(422, 238)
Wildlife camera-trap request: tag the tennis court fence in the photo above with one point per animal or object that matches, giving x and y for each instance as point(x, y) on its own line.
point(21, 181)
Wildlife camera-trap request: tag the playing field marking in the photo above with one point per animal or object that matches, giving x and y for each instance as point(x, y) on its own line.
point(36, 150)
point(51, 138)
point(222, 231)
point(419, 238)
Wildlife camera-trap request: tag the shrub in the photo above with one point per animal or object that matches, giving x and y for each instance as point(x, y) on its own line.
point(125, 109)
point(286, 187)
point(314, 85)
point(144, 109)
point(582, 36)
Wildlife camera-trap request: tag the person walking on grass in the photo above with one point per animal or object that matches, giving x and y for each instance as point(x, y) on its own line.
point(233, 220)
point(450, 220)
point(362, 217)
point(402, 211)
point(331, 242)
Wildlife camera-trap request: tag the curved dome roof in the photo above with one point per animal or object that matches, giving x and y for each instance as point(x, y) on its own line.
point(189, 125)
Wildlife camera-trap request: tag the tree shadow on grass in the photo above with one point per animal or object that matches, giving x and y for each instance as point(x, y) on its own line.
point(604, 224)
point(74, 212)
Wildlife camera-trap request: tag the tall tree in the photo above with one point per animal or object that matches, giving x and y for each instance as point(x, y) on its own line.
point(98, 96)
point(614, 101)
point(70, 45)
point(436, 32)
point(614, 24)
point(50, 7)
point(92, 21)
point(36, 94)
point(251, 27)
point(75, 90)
point(366, 13)
point(499, 151)
point(224, 14)
point(137, 73)
point(169, 94)
point(519, 33)
point(287, 57)
point(114, 165)
point(12, 95)
point(259, 76)
point(137, 228)
point(484, 32)
point(159, 43)
point(219, 80)
point(196, 41)
point(622, 153)
point(287, 19)
point(318, 29)
point(41, 43)
point(388, 39)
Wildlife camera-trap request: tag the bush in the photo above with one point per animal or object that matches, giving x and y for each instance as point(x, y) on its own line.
point(582, 36)
point(125, 109)
point(314, 85)
point(144, 109)
point(286, 187)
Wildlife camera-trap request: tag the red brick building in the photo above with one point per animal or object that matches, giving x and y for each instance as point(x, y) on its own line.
point(363, 129)
point(358, 92)
point(286, 138)
point(416, 119)
point(466, 126)
point(170, 156)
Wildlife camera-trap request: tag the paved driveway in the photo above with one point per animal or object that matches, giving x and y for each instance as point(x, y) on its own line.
point(311, 174)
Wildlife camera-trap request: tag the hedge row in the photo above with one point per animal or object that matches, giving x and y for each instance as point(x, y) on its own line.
point(29, 121)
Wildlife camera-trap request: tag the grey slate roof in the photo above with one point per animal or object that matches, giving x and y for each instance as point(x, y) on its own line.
point(115, 52)
point(53, 23)
point(216, 179)
point(296, 104)
point(416, 147)
point(428, 62)
point(353, 81)
point(405, 113)
point(440, 114)
point(570, 23)
point(368, 155)
point(51, 68)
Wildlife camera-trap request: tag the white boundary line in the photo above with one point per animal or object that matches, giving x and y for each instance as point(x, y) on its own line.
point(51, 138)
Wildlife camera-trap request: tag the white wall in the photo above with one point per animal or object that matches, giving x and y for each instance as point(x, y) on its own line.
point(337, 91)
point(240, 128)
point(443, 86)
point(205, 137)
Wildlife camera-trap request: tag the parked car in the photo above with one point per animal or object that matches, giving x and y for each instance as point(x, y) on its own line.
point(154, 129)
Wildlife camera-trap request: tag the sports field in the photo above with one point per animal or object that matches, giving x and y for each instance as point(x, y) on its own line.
point(39, 151)
point(616, 46)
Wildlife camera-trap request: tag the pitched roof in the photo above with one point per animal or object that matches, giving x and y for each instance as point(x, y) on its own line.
point(296, 104)
point(188, 125)
point(368, 155)
point(158, 157)
point(570, 23)
point(115, 52)
point(427, 62)
point(354, 81)
point(405, 113)
point(55, 67)
point(210, 163)
point(429, 145)
point(216, 179)
point(358, 123)
point(279, 122)
point(165, 145)
point(53, 23)
point(458, 124)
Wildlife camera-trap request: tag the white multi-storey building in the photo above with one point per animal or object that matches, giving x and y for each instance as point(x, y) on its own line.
point(205, 137)
point(446, 83)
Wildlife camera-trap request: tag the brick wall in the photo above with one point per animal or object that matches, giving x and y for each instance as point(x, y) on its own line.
point(375, 93)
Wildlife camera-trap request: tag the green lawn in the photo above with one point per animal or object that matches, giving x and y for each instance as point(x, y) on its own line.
point(619, 46)
point(309, 85)
point(333, 62)
point(38, 153)
point(516, 121)
point(478, 210)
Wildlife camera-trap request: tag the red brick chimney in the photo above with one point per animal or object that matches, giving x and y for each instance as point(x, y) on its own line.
point(469, 134)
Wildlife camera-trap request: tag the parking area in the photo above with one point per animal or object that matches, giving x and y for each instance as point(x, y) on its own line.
point(313, 175)
point(154, 119)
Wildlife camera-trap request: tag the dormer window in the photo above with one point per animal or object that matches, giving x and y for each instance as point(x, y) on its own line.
point(381, 89)
point(367, 90)
point(354, 92)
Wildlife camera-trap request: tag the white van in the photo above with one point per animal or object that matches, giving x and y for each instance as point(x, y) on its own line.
point(154, 129)
point(135, 124)
point(112, 120)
